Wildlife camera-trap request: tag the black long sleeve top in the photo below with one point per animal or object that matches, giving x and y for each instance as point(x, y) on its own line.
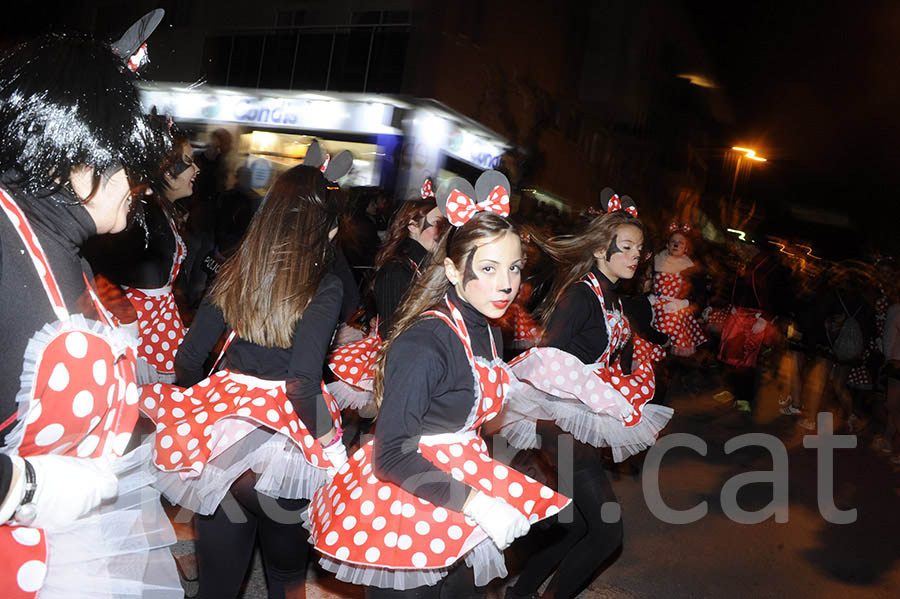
point(62, 226)
point(578, 325)
point(640, 316)
point(394, 279)
point(130, 259)
point(300, 365)
point(428, 389)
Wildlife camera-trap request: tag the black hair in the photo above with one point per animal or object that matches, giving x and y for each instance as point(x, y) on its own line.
point(67, 101)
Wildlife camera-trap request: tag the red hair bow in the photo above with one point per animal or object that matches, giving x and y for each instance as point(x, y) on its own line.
point(461, 208)
point(616, 204)
point(325, 164)
point(427, 190)
point(675, 227)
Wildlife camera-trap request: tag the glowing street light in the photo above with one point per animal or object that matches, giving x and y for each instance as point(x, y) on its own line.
point(751, 154)
point(748, 153)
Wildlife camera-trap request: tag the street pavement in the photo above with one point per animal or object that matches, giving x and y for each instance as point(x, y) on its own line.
point(715, 556)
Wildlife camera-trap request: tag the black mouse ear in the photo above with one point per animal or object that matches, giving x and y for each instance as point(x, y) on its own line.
point(315, 156)
point(629, 206)
point(339, 166)
point(605, 194)
point(130, 47)
point(487, 182)
point(455, 186)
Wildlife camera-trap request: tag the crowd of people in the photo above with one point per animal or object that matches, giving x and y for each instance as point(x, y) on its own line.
point(252, 341)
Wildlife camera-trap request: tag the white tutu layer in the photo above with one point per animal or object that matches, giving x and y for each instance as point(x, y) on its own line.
point(121, 550)
point(348, 396)
point(485, 559)
point(281, 468)
point(526, 405)
point(148, 375)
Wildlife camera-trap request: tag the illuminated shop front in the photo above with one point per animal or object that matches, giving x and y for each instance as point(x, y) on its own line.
point(396, 142)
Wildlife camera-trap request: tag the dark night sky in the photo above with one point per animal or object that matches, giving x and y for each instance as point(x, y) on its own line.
point(814, 85)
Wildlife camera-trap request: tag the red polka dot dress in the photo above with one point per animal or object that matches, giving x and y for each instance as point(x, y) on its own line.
point(209, 434)
point(672, 314)
point(376, 533)
point(160, 328)
point(79, 398)
point(353, 366)
point(524, 328)
point(598, 403)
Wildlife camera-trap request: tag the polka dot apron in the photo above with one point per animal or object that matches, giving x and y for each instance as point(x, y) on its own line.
point(682, 328)
point(638, 387)
point(159, 323)
point(365, 524)
point(860, 377)
point(78, 398)
point(196, 425)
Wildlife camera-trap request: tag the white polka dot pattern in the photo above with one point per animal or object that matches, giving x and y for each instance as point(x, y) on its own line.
point(682, 328)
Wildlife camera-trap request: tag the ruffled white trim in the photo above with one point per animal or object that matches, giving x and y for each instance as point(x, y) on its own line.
point(281, 468)
point(527, 405)
point(485, 559)
point(119, 340)
point(348, 396)
point(121, 550)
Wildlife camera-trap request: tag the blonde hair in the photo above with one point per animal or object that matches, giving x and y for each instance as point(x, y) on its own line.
point(266, 285)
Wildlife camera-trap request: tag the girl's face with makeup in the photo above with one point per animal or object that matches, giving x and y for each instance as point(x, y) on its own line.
point(677, 245)
point(490, 277)
point(426, 232)
point(620, 259)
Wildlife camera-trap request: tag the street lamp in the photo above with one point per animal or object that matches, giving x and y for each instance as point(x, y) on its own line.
point(745, 153)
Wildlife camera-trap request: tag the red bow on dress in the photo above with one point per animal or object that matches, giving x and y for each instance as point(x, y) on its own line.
point(427, 190)
point(616, 204)
point(675, 227)
point(461, 208)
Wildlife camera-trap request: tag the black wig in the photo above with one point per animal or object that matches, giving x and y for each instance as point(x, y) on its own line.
point(67, 101)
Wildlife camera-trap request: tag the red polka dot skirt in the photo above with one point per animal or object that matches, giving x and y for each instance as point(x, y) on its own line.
point(680, 325)
point(159, 326)
point(204, 433)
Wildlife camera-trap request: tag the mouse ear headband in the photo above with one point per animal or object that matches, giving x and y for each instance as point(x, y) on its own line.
point(132, 46)
point(611, 202)
point(459, 201)
point(332, 168)
point(676, 227)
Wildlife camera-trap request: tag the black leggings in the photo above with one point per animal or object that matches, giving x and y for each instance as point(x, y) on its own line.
point(458, 584)
point(580, 539)
point(225, 543)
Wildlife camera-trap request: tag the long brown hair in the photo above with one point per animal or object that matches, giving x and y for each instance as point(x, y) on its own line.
point(428, 291)
point(398, 230)
point(265, 286)
point(575, 254)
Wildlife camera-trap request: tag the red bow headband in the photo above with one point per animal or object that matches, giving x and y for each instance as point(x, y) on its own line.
point(611, 201)
point(676, 227)
point(459, 200)
point(427, 190)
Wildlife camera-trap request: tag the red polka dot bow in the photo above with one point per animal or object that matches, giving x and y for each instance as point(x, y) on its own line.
point(615, 203)
point(461, 208)
point(675, 227)
point(427, 190)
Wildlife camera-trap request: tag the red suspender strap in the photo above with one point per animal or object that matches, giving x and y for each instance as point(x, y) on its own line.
point(38, 257)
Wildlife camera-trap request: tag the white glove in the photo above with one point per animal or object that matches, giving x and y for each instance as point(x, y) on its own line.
point(759, 326)
point(337, 455)
point(67, 488)
point(502, 522)
point(675, 305)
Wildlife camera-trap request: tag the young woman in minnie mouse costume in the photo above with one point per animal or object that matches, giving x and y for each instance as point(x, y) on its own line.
point(78, 517)
point(425, 496)
point(411, 235)
point(583, 381)
point(145, 260)
point(671, 288)
point(247, 446)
